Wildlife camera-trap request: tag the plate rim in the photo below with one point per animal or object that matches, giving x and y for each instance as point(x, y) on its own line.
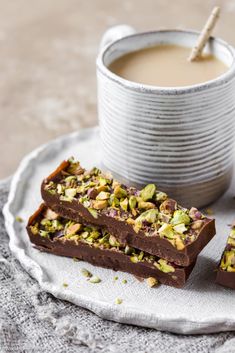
point(103, 309)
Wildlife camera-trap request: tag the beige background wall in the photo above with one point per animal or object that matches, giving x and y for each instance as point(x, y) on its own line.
point(47, 61)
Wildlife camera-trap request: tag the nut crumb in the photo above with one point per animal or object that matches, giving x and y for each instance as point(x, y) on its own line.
point(86, 273)
point(124, 281)
point(19, 219)
point(118, 301)
point(152, 282)
point(65, 285)
point(115, 278)
point(95, 279)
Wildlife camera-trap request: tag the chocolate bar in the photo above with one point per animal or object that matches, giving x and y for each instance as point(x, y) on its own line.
point(51, 233)
point(144, 219)
point(226, 270)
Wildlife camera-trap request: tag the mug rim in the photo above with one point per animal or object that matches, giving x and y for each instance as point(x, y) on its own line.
point(141, 87)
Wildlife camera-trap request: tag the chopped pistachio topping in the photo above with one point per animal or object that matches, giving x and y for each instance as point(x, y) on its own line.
point(95, 279)
point(148, 192)
point(118, 301)
point(152, 282)
point(124, 281)
point(86, 273)
point(163, 266)
point(19, 219)
point(147, 210)
point(115, 278)
point(67, 230)
point(180, 217)
point(167, 231)
point(65, 285)
point(228, 259)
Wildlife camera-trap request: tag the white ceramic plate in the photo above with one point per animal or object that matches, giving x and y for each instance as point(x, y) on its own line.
point(201, 307)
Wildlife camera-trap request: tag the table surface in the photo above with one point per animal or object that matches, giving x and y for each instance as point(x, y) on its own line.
point(47, 62)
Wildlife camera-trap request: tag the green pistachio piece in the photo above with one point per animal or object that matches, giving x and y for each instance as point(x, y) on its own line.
point(163, 266)
point(86, 273)
point(141, 256)
point(85, 234)
point(44, 234)
point(145, 205)
point(152, 282)
point(166, 230)
point(118, 301)
point(34, 229)
point(180, 216)
point(134, 259)
point(103, 196)
point(119, 192)
point(113, 241)
point(70, 193)
point(150, 216)
point(132, 202)
point(104, 239)
point(60, 189)
point(124, 204)
point(148, 192)
point(95, 279)
point(19, 219)
point(161, 196)
point(228, 260)
point(93, 212)
point(99, 204)
point(51, 191)
point(113, 201)
point(180, 228)
point(70, 178)
point(128, 250)
point(95, 234)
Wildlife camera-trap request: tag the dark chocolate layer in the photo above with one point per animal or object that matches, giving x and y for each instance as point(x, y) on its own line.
point(182, 251)
point(114, 258)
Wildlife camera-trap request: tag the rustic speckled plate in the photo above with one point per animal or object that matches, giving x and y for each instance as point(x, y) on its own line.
point(200, 307)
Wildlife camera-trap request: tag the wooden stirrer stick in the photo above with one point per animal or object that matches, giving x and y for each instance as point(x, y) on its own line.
point(205, 34)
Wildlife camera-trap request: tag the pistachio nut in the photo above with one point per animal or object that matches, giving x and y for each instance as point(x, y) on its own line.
point(161, 196)
point(166, 230)
point(119, 192)
point(132, 202)
point(163, 266)
point(145, 205)
point(103, 196)
point(149, 216)
point(148, 192)
point(124, 204)
point(152, 282)
point(180, 216)
point(99, 204)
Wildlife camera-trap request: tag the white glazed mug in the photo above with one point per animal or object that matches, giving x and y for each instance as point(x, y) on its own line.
point(181, 138)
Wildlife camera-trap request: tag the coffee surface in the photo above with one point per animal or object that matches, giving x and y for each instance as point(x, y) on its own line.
point(167, 66)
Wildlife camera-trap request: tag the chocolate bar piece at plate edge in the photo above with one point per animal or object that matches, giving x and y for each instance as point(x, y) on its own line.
point(54, 234)
point(226, 269)
point(145, 219)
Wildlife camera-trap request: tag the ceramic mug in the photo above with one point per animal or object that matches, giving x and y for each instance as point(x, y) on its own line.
point(181, 138)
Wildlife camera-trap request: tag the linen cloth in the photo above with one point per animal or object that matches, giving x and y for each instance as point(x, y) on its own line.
point(32, 320)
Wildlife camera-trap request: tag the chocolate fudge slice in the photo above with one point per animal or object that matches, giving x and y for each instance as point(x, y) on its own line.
point(54, 234)
point(144, 219)
point(226, 269)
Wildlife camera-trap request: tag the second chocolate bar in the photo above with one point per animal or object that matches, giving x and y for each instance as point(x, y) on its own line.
point(145, 219)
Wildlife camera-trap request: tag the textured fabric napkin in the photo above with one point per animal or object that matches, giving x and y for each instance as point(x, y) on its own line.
point(32, 320)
